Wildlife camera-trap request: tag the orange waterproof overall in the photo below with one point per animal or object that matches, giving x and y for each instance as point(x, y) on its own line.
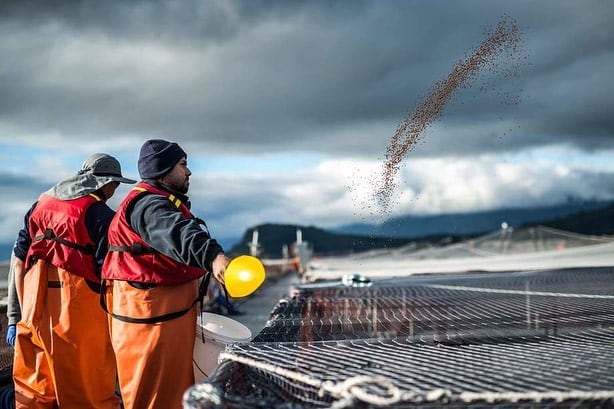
point(154, 361)
point(63, 356)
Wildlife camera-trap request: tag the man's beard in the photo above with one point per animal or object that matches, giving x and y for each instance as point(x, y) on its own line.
point(184, 187)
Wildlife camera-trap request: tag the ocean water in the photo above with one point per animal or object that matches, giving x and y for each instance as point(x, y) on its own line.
point(5, 252)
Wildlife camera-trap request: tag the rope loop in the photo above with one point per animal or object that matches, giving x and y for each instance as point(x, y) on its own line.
point(357, 388)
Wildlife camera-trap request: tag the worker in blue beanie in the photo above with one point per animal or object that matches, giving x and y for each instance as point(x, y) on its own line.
point(158, 251)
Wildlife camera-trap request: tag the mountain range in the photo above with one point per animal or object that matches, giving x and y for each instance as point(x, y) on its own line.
point(592, 217)
point(469, 223)
point(587, 217)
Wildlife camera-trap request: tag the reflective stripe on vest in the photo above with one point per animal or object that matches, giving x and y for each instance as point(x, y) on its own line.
point(145, 265)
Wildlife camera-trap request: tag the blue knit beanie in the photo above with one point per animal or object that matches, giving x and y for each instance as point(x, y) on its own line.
point(158, 157)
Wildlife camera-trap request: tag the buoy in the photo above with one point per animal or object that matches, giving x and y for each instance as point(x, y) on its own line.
point(244, 275)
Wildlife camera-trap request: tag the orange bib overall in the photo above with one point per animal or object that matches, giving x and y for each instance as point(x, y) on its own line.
point(154, 361)
point(63, 355)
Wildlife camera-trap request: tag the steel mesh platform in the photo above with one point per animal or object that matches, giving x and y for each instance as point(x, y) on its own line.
point(516, 339)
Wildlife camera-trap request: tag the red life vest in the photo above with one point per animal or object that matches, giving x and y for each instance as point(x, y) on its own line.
point(131, 259)
point(60, 236)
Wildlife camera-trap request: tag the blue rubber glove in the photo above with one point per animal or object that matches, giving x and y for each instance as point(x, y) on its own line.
point(11, 333)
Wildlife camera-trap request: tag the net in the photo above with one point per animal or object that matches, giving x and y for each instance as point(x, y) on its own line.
point(513, 339)
point(531, 248)
point(509, 241)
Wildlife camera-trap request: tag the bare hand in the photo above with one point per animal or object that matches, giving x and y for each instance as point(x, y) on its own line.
point(220, 262)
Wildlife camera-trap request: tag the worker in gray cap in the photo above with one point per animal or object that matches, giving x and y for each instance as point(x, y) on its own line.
point(63, 355)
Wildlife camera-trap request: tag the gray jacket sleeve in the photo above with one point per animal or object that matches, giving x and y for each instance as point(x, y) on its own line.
point(13, 311)
point(161, 225)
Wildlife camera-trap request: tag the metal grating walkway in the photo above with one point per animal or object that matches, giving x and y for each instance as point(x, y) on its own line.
point(517, 339)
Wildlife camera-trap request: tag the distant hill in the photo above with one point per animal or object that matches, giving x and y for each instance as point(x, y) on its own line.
point(596, 218)
point(5, 251)
point(594, 222)
point(272, 237)
point(469, 223)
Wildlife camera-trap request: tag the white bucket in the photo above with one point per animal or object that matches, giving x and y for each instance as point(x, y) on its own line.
point(217, 331)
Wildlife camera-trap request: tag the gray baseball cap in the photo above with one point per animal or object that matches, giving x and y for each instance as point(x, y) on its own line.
point(97, 171)
point(104, 167)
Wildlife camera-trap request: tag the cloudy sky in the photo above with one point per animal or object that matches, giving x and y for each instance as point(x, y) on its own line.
point(286, 107)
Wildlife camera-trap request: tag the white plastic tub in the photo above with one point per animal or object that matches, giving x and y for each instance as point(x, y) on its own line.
point(217, 331)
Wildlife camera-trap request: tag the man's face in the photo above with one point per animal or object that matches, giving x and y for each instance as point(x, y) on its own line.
point(109, 189)
point(179, 177)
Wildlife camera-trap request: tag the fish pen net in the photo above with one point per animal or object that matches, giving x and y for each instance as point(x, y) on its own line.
point(541, 339)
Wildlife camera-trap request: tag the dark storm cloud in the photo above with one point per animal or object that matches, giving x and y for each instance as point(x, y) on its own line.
point(18, 186)
point(262, 76)
point(20, 191)
point(125, 19)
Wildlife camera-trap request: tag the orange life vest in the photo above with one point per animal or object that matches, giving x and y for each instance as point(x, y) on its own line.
point(60, 236)
point(131, 259)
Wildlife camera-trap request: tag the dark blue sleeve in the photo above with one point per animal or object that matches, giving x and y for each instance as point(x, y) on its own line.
point(97, 220)
point(23, 241)
point(161, 225)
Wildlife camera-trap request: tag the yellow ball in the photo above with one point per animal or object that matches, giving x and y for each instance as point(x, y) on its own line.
point(243, 276)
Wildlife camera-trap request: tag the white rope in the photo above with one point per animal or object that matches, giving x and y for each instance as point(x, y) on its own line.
point(519, 292)
point(558, 396)
point(352, 389)
point(347, 390)
point(271, 368)
point(577, 236)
